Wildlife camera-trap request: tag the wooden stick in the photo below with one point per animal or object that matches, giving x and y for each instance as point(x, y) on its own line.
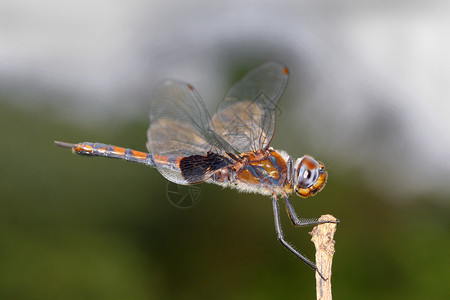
point(322, 237)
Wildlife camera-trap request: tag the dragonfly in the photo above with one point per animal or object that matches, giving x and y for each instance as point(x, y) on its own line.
point(231, 149)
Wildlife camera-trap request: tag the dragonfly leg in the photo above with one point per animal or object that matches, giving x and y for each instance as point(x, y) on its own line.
point(280, 236)
point(300, 222)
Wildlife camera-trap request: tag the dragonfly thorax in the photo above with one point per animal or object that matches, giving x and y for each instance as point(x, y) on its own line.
point(265, 172)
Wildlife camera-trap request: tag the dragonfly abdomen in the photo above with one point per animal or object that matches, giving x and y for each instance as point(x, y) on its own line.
point(100, 149)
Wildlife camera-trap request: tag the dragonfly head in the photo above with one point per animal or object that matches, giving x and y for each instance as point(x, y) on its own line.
point(310, 176)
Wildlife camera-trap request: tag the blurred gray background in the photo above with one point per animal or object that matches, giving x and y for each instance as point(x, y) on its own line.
point(368, 96)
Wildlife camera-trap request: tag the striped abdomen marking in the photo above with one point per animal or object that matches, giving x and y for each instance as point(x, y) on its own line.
point(99, 149)
point(194, 168)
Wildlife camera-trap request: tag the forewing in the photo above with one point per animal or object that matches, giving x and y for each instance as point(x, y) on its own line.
point(180, 134)
point(246, 117)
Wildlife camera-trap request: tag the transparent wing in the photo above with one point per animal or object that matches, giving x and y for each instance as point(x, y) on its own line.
point(185, 148)
point(246, 117)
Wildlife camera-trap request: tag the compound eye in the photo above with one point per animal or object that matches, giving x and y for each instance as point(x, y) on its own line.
point(307, 178)
point(308, 173)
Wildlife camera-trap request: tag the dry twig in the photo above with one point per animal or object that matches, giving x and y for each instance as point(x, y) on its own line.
point(322, 237)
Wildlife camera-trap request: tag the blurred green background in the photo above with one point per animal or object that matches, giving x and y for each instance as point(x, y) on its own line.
point(368, 96)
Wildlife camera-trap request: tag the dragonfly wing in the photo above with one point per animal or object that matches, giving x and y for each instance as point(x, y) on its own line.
point(246, 117)
point(185, 148)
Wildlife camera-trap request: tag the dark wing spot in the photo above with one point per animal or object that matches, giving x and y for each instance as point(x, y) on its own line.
point(195, 168)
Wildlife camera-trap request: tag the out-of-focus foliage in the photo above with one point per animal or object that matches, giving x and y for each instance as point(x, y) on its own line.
point(73, 227)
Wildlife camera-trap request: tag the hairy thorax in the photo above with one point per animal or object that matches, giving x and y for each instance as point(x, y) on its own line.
point(263, 171)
